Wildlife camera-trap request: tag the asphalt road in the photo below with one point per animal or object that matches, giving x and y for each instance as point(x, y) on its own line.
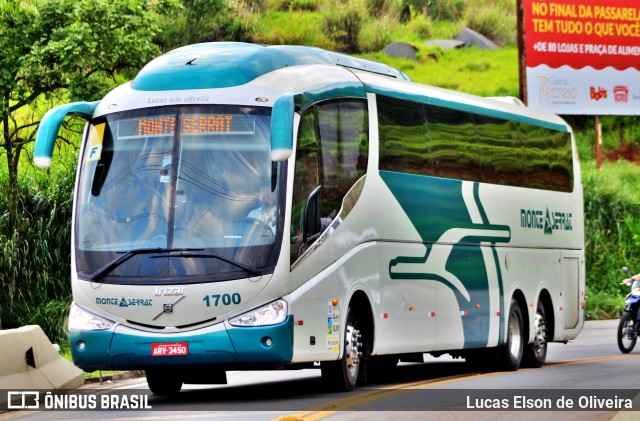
point(579, 381)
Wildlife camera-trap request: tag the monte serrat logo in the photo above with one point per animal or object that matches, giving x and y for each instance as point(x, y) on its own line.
point(545, 220)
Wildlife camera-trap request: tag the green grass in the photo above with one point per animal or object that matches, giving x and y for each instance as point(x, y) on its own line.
point(612, 232)
point(469, 70)
point(292, 28)
point(446, 29)
point(619, 180)
point(601, 305)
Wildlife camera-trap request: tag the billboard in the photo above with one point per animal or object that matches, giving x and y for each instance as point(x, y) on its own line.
point(582, 56)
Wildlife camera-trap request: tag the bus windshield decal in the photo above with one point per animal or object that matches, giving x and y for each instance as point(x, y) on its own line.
point(96, 135)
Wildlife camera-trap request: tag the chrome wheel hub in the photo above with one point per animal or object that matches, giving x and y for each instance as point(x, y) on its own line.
point(540, 341)
point(353, 350)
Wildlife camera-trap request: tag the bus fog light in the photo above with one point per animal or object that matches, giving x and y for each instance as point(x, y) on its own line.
point(266, 341)
point(81, 346)
point(271, 314)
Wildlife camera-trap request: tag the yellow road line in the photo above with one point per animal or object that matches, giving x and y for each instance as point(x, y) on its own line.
point(592, 359)
point(329, 408)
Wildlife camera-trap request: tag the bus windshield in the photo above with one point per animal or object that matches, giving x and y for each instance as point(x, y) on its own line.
point(194, 182)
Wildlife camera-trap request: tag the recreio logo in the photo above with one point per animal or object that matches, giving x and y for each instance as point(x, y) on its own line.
point(556, 91)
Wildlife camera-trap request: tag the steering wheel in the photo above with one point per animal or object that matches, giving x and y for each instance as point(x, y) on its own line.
point(254, 221)
point(260, 226)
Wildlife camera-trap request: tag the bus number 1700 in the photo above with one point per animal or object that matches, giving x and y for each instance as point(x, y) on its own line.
point(215, 300)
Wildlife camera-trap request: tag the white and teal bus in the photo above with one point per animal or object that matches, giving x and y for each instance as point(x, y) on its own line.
point(241, 207)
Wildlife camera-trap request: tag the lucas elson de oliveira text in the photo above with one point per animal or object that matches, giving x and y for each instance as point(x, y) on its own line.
point(523, 402)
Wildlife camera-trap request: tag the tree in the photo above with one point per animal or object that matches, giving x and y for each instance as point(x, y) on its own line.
point(200, 21)
point(70, 46)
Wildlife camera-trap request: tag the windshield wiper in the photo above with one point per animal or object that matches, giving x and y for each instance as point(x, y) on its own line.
point(242, 266)
point(100, 274)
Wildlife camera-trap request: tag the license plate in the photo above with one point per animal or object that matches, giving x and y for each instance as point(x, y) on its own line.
point(169, 349)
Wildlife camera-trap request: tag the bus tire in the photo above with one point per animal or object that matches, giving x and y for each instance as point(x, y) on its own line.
point(342, 375)
point(535, 353)
point(512, 351)
point(164, 383)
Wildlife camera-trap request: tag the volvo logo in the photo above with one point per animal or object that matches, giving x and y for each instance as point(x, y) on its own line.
point(168, 308)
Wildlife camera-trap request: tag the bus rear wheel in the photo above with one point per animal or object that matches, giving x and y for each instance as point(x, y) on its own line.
point(342, 375)
point(535, 353)
point(512, 351)
point(163, 382)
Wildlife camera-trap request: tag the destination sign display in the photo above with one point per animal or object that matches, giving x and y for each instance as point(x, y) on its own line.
point(190, 124)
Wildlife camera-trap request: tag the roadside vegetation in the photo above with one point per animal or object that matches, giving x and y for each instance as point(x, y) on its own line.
point(35, 205)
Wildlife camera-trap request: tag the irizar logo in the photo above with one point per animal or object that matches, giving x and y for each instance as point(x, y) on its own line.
point(170, 291)
point(545, 220)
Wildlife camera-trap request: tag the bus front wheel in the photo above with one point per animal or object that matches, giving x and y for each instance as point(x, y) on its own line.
point(342, 375)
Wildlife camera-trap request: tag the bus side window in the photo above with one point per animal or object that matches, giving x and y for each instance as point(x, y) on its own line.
point(306, 177)
point(404, 139)
point(452, 141)
point(332, 152)
point(343, 136)
point(498, 151)
point(548, 159)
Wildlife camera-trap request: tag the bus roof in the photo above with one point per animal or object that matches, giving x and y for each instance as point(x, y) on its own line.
point(226, 64)
point(313, 74)
point(496, 107)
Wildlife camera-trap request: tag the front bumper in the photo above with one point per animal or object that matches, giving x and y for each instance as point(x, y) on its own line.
point(221, 345)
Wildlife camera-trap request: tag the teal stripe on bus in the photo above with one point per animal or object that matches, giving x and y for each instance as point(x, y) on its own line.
point(435, 206)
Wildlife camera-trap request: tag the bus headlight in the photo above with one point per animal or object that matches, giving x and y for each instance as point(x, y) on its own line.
point(80, 319)
point(271, 314)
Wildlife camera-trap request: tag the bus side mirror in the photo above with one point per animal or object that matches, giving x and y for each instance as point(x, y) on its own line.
point(50, 125)
point(282, 128)
point(312, 222)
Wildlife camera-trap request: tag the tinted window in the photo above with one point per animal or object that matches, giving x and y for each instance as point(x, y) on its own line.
point(404, 137)
point(498, 151)
point(452, 144)
point(444, 142)
point(331, 152)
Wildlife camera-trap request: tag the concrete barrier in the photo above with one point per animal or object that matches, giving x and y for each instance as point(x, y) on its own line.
point(28, 360)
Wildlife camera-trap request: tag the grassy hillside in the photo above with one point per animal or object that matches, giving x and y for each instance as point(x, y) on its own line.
point(470, 70)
